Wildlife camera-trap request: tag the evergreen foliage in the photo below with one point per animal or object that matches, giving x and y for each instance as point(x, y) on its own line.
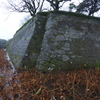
point(3, 43)
point(89, 6)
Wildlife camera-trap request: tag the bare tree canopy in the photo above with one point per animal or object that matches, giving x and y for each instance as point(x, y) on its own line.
point(28, 6)
point(89, 6)
point(33, 6)
point(55, 4)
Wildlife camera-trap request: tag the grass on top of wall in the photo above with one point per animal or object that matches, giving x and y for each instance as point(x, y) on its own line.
point(61, 12)
point(69, 13)
point(23, 25)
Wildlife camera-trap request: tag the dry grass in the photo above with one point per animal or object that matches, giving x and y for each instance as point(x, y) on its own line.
point(3, 60)
point(55, 85)
point(3, 64)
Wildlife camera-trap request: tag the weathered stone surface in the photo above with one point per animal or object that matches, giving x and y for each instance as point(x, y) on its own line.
point(65, 58)
point(56, 42)
point(59, 38)
point(26, 44)
point(74, 42)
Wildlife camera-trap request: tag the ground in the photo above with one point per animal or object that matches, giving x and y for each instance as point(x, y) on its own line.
point(75, 84)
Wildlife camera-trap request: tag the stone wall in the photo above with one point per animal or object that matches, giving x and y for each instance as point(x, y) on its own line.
point(25, 46)
point(57, 42)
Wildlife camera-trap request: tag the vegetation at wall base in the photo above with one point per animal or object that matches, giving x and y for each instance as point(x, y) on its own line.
point(55, 85)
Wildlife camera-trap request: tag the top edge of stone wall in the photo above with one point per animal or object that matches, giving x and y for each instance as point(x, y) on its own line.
point(88, 19)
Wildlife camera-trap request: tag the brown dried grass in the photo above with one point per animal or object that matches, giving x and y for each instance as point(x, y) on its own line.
point(3, 64)
point(55, 85)
point(3, 60)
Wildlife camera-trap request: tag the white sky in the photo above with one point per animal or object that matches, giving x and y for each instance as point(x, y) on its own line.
point(10, 23)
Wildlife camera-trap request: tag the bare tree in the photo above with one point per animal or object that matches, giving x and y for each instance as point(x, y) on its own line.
point(28, 6)
point(56, 4)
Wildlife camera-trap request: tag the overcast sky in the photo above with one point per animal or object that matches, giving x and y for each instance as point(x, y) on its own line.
point(10, 23)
